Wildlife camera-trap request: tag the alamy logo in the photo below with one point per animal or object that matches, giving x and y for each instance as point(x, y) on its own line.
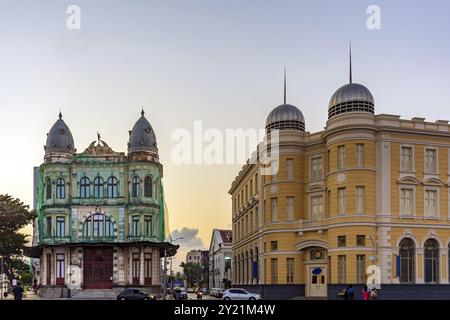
point(74, 20)
point(374, 19)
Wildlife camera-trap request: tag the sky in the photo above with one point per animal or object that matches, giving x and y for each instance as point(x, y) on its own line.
point(219, 62)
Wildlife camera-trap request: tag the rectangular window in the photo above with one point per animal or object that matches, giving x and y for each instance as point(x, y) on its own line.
point(135, 269)
point(148, 269)
point(60, 270)
point(360, 191)
point(274, 170)
point(290, 169)
point(246, 193)
point(342, 241)
point(49, 226)
point(246, 225)
point(290, 270)
point(431, 207)
point(342, 277)
point(430, 161)
point(361, 240)
point(341, 157)
point(406, 158)
point(316, 207)
point(406, 202)
point(361, 268)
point(341, 200)
point(360, 155)
point(274, 270)
point(135, 226)
point(256, 183)
point(60, 227)
point(316, 168)
point(148, 227)
point(290, 208)
point(251, 188)
point(49, 268)
point(274, 203)
point(251, 221)
point(273, 245)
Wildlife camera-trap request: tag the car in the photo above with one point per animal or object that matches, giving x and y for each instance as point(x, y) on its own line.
point(240, 294)
point(180, 294)
point(205, 291)
point(190, 290)
point(220, 293)
point(135, 294)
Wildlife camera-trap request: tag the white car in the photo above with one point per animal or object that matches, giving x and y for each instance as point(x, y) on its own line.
point(240, 294)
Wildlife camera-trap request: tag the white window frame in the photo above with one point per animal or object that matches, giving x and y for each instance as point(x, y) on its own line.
point(290, 215)
point(310, 201)
point(425, 212)
point(425, 169)
point(360, 155)
point(311, 167)
point(413, 164)
point(341, 209)
point(274, 209)
point(410, 187)
point(341, 160)
point(290, 169)
point(363, 204)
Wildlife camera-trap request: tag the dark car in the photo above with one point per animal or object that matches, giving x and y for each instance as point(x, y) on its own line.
point(180, 294)
point(135, 294)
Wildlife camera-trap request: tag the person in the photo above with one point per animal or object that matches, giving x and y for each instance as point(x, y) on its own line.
point(365, 292)
point(199, 294)
point(350, 292)
point(18, 291)
point(373, 294)
point(35, 286)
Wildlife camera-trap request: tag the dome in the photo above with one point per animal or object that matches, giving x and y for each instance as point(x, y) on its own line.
point(285, 117)
point(59, 139)
point(352, 97)
point(142, 137)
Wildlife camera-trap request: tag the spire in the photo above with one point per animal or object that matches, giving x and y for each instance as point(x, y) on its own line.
point(142, 112)
point(60, 114)
point(284, 85)
point(350, 56)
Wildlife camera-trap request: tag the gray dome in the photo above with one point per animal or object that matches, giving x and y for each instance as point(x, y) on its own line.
point(59, 139)
point(142, 137)
point(352, 97)
point(285, 117)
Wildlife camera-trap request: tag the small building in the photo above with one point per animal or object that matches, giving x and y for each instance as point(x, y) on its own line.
point(220, 253)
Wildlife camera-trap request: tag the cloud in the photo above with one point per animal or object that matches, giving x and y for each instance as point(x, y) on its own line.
point(190, 239)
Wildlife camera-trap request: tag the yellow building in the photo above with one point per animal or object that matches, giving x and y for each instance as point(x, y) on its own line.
point(367, 190)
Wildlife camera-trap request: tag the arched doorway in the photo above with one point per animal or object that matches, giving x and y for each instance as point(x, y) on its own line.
point(316, 268)
point(431, 260)
point(407, 260)
point(98, 268)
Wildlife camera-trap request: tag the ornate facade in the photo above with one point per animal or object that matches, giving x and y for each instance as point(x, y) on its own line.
point(101, 216)
point(367, 190)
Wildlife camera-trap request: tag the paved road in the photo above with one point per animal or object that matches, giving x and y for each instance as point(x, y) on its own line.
point(193, 296)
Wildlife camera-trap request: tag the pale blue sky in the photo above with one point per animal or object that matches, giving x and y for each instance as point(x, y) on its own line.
point(216, 61)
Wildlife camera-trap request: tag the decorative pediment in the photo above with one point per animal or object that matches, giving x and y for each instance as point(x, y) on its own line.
point(433, 182)
point(315, 188)
point(100, 148)
point(409, 180)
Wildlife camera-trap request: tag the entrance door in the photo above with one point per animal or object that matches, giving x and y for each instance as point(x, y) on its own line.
point(98, 268)
point(317, 281)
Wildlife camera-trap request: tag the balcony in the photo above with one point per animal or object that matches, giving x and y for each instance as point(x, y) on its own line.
point(55, 239)
point(97, 239)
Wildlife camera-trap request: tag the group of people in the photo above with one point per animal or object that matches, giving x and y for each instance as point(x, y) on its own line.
point(367, 294)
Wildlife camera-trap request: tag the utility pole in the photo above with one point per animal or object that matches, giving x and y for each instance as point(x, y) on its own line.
point(165, 276)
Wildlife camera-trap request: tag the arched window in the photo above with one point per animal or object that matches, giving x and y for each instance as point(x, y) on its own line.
point(148, 187)
point(98, 225)
point(85, 187)
point(48, 189)
point(407, 260)
point(431, 260)
point(98, 187)
point(113, 189)
point(60, 188)
point(135, 187)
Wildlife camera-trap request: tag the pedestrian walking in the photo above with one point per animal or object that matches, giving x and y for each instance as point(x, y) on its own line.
point(350, 292)
point(365, 292)
point(18, 291)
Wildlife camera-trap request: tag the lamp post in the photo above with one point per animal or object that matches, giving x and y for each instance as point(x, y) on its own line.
point(165, 270)
point(373, 257)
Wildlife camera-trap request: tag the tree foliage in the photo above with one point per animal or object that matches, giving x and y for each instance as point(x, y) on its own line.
point(192, 273)
point(14, 215)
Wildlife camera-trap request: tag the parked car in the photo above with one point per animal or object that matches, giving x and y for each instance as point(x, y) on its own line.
point(213, 292)
point(220, 293)
point(190, 290)
point(180, 294)
point(240, 294)
point(135, 294)
point(205, 291)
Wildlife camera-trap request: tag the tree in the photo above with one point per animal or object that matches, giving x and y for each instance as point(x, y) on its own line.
point(14, 215)
point(191, 272)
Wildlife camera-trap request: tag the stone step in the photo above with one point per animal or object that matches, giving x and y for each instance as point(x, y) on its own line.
point(94, 294)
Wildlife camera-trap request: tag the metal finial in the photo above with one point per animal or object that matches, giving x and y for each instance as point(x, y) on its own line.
point(142, 112)
point(60, 114)
point(98, 136)
point(350, 56)
point(284, 85)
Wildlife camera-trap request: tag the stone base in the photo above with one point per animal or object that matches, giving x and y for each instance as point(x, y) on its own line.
point(275, 291)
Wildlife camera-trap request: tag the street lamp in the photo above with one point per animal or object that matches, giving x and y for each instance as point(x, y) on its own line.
point(165, 269)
